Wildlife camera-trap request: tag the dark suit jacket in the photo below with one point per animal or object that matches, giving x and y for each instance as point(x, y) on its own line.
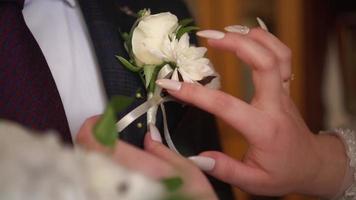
point(193, 130)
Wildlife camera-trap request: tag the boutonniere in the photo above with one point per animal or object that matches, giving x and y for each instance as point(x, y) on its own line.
point(158, 46)
point(161, 41)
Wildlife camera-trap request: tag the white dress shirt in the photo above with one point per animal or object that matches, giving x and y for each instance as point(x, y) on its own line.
point(60, 30)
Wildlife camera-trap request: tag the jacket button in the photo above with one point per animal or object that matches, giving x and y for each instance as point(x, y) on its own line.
point(139, 125)
point(138, 95)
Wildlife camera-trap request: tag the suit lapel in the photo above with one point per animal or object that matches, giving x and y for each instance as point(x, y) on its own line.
point(103, 26)
point(103, 21)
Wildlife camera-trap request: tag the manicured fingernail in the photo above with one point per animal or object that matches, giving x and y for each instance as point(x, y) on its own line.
point(204, 163)
point(169, 84)
point(244, 30)
point(155, 135)
point(211, 34)
point(262, 24)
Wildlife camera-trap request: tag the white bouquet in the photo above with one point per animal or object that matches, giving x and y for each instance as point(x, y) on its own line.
point(34, 167)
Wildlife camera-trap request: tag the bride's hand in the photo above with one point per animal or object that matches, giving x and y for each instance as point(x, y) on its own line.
point(284, 155)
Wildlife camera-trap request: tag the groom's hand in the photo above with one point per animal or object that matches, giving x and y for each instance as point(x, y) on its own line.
point(156, 162)
point(124, 153)
point(283, 156)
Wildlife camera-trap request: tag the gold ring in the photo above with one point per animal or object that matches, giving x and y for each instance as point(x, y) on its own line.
point(291, 78)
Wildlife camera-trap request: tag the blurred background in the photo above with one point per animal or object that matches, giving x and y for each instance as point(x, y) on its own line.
point(322, 36)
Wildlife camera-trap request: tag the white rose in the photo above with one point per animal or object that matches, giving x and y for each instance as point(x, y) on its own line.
point(148, 37)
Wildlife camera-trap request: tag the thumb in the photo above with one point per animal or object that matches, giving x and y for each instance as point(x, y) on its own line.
point(85, 137)
point(230, 170)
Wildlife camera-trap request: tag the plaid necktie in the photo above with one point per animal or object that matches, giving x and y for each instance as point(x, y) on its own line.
point(28, 93)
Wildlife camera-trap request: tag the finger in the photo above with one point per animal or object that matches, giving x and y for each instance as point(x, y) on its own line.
point(235, 172)
point(280, 50)
point(266, 75)
point(85, 139)
point(240, 115)
point(162, 152)
point(188, 171)
point(143, 162)
point(125, 154)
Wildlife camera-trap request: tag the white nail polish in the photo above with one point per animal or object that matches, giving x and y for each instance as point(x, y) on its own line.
point(169, 84)
point(244, 30)
point(211, 34)
point(204, 163)
point(262, 24)
point(155, 135)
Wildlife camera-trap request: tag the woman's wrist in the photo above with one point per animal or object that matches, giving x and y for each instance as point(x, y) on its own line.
point(332, 167)
point(348, 187)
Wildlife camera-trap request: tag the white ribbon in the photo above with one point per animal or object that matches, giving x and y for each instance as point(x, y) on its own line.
point(167, 135)
point(154, 100)
point(137, 112)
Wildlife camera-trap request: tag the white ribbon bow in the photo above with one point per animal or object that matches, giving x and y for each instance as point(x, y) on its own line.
point(152, 102)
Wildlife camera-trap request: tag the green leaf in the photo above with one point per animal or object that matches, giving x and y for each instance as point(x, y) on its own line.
point(149, 72)
point(181, 31)
point(126, 37)
point(105, 131)
point(128, 64)
point(143, 12)
point(142, 76)
point(172, 184)
point(152, 84)
point(128, 40)
point(186, 22)
point(127, 48)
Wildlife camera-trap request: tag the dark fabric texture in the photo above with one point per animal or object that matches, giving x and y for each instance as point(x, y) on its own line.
point(104, 30)
point(192, 130)
point(28, 94)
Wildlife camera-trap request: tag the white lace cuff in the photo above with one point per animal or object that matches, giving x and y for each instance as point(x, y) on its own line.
point(349, 139)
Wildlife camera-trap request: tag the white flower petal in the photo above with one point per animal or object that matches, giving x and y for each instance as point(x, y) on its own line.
point(154, 42)
point(215, 83)
point(175, 75)
point(196, 70)
point(192, 75)
point(200, 51)
point(169, 50)
point(186, 76)
point(149, 35)
point(158, 54)
point(141, 48)
point(159, 25)
point(184, 42)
